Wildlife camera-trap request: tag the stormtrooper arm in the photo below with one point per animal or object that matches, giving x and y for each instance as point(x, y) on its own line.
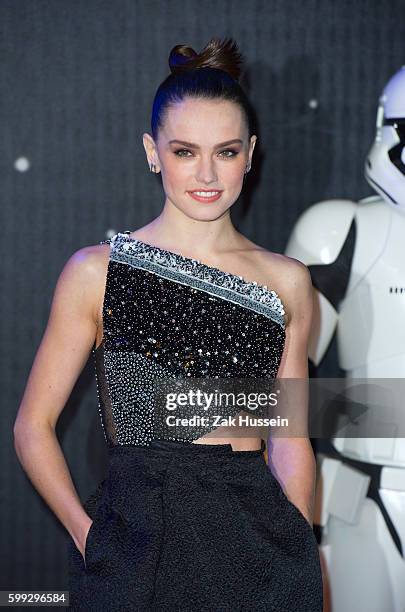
point(323, 239)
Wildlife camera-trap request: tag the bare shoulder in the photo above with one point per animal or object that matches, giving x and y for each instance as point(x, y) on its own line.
point(283, 270)
point(288, 277)
point(292, 274)
point(90, 261)
point(86, 269)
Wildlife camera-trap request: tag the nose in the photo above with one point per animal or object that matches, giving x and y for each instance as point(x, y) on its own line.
point(206, 171)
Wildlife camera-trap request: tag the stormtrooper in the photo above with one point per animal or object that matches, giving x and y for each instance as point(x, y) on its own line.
point(355, 252)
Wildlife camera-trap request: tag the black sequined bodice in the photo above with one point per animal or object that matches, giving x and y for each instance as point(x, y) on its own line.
point(170, 316)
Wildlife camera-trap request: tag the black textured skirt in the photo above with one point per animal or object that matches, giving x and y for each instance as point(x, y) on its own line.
point(194, 527)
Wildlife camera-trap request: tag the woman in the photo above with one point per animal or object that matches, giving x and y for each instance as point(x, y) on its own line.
point(184, 520)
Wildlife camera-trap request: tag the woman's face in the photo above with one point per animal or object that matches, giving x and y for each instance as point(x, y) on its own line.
point(202, 146)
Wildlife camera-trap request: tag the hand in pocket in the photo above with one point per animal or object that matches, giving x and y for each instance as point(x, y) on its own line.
point(83, 547)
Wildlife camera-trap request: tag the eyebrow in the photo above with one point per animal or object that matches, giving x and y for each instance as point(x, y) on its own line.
point(195, 146)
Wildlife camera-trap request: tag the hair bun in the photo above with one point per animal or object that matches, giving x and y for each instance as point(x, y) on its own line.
point(223, 55)
point(180, 55)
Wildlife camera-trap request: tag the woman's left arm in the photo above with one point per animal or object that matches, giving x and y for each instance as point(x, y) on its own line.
point(291, 459)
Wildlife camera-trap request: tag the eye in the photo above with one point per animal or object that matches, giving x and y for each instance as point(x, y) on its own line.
point(231, 151)
point(178, 151)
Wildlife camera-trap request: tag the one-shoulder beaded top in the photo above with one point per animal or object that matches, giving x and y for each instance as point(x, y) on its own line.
point(170, 316)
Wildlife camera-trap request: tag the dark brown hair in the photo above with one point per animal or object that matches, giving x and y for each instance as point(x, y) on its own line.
point(213, 73)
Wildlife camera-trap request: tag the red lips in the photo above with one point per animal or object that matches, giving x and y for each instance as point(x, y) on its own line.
point(207, 199)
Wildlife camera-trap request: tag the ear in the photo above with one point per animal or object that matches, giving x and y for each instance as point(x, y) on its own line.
point(151, 151)
point(252, 144)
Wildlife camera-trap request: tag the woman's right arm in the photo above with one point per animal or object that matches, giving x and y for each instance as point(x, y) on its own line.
point(62, 354)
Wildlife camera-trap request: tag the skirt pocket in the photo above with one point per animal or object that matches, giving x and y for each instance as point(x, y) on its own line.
point(288, 505)
point(88, 543)
point(300, 517)
point(93, 506)
point(106, 543)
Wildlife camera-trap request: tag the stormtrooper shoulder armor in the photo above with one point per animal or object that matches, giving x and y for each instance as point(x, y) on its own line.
point(323, 238)
point(321, 230)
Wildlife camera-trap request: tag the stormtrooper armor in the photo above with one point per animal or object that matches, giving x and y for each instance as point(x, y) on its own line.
point(355, 252)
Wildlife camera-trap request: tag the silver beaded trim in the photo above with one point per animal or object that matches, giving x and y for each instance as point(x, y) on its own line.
point(188, 271)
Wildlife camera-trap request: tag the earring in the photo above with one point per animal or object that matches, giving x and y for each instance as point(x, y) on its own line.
point(246, 171)
point(152, 167)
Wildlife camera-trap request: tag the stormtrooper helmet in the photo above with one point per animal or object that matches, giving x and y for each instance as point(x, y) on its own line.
point(385, 163)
